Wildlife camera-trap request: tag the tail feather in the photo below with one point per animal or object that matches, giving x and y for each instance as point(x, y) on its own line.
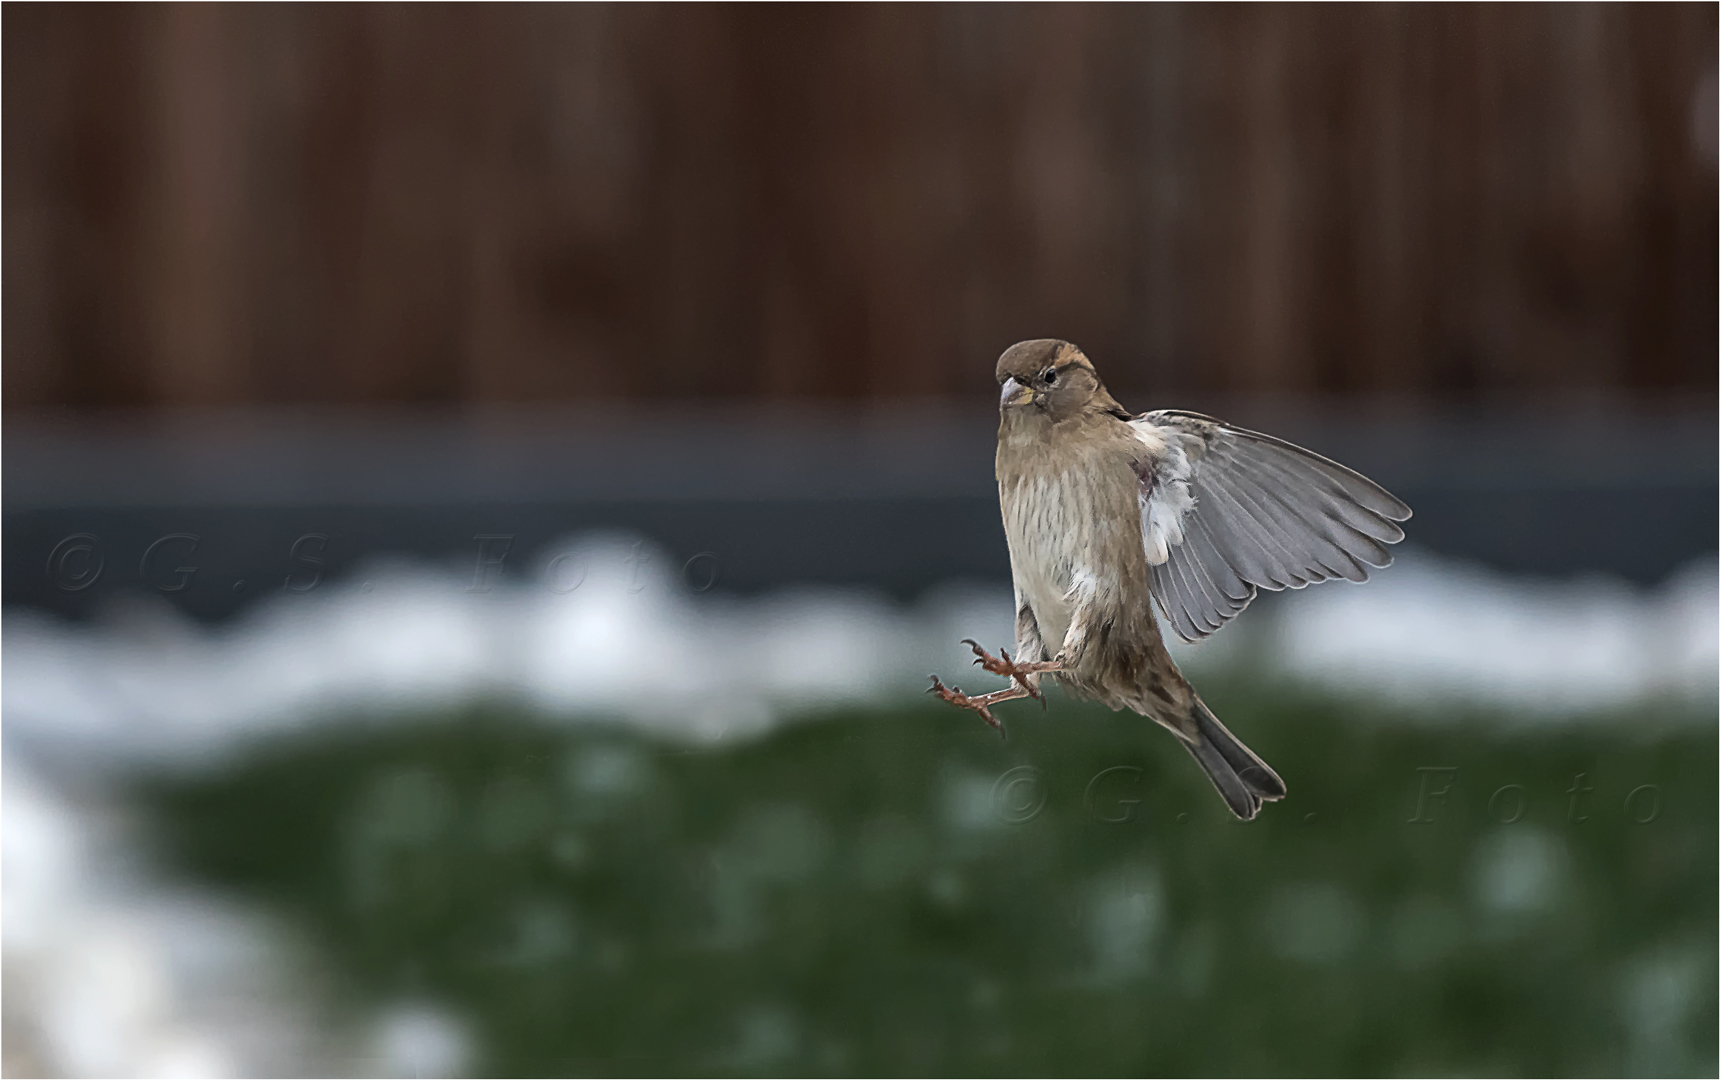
point(1238, 774)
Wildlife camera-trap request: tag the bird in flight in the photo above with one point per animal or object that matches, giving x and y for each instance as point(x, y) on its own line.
point(1108, 514)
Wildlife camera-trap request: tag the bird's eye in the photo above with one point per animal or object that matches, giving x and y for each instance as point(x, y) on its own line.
point(1050, 376)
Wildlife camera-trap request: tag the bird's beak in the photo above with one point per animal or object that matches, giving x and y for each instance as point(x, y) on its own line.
point(1015, 394)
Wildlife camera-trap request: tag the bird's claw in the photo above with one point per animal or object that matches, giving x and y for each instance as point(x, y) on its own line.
point(953, 695)
point(1006, 667)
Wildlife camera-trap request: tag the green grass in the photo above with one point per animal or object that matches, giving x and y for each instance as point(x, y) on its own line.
point(855, 895)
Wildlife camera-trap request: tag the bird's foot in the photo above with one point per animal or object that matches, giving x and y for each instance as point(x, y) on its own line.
point(981, 703)
point(1018, 670)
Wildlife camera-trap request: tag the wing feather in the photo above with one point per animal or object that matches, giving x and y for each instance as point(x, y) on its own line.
point(1322, 555)
point(1193, 583)
point(1256, 513)
point(1333, 499)
point(1248, 533)
point(1230, 583)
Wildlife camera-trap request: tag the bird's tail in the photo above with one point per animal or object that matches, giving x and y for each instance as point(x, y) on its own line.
point(1238, 774)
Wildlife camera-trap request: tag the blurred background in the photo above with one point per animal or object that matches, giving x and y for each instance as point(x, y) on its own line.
point(484, 487)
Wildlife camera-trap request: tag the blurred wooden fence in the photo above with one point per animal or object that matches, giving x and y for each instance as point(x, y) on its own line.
point(214, 204)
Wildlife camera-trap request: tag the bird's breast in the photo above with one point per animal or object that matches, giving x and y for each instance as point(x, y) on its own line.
point(1062, 525)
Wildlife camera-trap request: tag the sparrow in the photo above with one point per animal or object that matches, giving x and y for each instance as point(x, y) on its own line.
point(1109, 515)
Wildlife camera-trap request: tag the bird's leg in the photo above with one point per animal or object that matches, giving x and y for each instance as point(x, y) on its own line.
point(1009, 669)
point(1018, 670)
point(981, 703)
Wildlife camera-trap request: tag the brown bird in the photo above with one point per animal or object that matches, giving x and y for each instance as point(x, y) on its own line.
point(1103, 509)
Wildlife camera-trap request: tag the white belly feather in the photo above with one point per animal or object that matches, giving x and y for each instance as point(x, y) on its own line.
point(1058, 540)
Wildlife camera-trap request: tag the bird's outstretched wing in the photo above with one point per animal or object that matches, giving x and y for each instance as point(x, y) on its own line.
point(1226, 511)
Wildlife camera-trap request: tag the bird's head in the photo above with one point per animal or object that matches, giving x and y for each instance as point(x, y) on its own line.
point(1051, 380)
